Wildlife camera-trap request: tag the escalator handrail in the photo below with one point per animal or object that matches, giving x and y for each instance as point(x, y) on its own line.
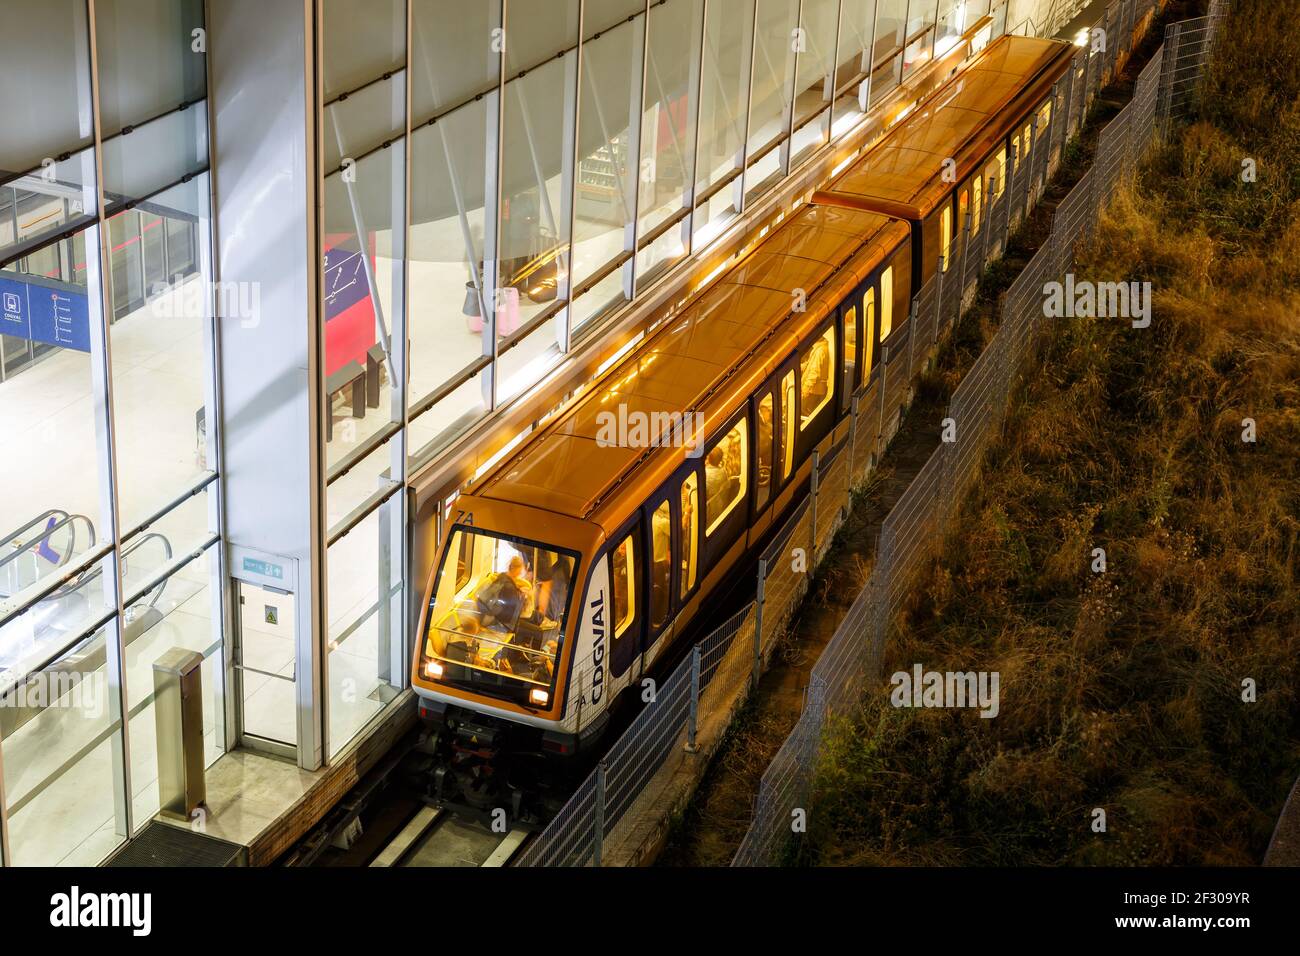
point(67, 520)
point(167, 549)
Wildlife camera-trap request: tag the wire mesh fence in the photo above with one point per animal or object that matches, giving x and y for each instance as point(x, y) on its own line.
point(913, 530)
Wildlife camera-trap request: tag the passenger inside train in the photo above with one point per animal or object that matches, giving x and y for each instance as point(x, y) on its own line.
point(501, 609)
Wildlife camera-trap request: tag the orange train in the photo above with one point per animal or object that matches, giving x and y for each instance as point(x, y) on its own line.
point(573, 565)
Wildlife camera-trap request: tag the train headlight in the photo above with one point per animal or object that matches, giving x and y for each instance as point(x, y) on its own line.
point(433, 669)
point(539, 697)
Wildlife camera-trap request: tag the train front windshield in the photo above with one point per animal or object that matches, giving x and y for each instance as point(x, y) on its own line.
point(497, 615)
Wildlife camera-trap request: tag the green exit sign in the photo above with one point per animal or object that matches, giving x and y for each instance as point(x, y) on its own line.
point(266, 569)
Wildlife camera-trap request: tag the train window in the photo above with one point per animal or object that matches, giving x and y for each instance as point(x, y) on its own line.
point(1044, 115)
point(850, 353)
point(623, 584)
point(995, 173)
point(690, 532)
point(976, 192)
point(1015, 153)
point(869, 329)
point(816, 384)
point(886, 303)
point(501, 608)
point(764, 454)
point(661, 563)
point(1027, 139)
point(945, 236)
point(787, 424)
point(963, 207)
point(724, 475)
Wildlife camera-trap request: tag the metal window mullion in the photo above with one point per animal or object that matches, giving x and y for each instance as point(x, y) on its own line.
point(696, 92)
point(636, 123)
point(834, 73)
point(869, 54)
point(787, 147)
point(98, 259)
point(569, 174)
point(495, 124)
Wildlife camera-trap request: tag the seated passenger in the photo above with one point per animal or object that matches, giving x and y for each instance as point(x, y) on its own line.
point(715, 482)
point(764, 443)
point(816, 372)
point(505, 597)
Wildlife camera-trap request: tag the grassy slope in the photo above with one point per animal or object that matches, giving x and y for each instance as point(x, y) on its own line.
point(1122, 690)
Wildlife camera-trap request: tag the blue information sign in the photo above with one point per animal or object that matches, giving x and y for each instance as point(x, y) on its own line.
point(54, 315)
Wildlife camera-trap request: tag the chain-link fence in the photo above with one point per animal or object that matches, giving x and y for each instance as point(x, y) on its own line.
point(690, 709)
point(914, 528)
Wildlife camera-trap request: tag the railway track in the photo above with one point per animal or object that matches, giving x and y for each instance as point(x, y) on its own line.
point(440, 836)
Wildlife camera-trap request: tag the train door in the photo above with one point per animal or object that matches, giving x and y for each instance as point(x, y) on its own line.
point(870, 329)
point(850, 351)
point(661, 543)
point(764, 467)
point(627, 586)
point(687, 485)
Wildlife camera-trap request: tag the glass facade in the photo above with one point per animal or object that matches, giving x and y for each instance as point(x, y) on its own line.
point(109, 512)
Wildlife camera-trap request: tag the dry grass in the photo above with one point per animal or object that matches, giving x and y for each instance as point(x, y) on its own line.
point(1123, 690)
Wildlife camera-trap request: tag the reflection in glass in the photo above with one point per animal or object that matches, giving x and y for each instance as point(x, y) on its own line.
point(772, 90)
point(59, 730)
point(667, 133)
point(148, 64)
point(161, 344)
point(724, 100)
point(366, 653)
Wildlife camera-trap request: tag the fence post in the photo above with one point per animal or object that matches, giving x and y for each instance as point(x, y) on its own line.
point(693, 726)
point(912, 313)
point(816, 468)
point(598, 822)
point(853, 442)
point(884, 381)
point(758, 620)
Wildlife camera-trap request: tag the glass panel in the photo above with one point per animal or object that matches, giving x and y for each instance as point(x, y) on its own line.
point(363, 40)
point(850, 349)
point(886, 302)
point(887, 59)
point(156, 154)
point(498, 616)
point(816, 386)
point(160, 347)
point(45, 49)
point(439, 425)
point(787, 424)
point(623, 584)
point(661, 563)
point(46, 201)
point(667, 131)
point(725, 475)
point(955, 16)
point(724, 89)
point(976, 191)
point(59, 731)
point(945, 236)
point(869, 330)
point(528, 360)
point(775, 42)
point(606, 186)
point(367, 476)
point(690, 533)
point(147, 61)
point(538, 125)
point(181, 613)
point(49, 426)
point(178, 533)
point(764, 450)
point(363, 297)
point(852, 73)
point(817, 58)
point(920, 35)
point(366, 653)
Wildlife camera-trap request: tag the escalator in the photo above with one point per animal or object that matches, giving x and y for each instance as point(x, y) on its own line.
point(34, 656)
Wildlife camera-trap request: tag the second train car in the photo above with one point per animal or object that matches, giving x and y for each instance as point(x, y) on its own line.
point(569, 569)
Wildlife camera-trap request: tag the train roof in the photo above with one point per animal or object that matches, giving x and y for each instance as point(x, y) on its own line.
point(902, 174)
point(707, 358)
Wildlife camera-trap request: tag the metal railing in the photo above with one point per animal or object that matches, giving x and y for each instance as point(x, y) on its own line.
point(913, 530)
